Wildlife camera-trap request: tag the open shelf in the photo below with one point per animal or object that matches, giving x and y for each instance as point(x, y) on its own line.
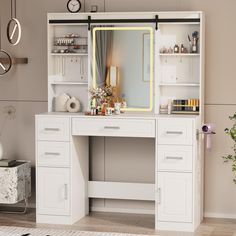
point(185, 112)
point(179, 54)
point(179, 85)
point(68, 83)
point(69, 54)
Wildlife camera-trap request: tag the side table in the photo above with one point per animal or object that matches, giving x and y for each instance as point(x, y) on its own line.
point(15, 184)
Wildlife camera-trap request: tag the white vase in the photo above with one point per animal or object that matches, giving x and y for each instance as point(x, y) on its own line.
point(1, 151)
point(73, 105)
point(60, 103)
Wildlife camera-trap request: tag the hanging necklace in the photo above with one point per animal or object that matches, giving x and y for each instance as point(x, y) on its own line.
point(13, 27)
point(5, 58)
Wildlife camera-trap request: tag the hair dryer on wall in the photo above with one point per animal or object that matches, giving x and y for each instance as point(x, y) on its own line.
point(208, 130)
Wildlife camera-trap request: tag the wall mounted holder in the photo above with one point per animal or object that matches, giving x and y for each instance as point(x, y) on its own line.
point(13, 27)
point(15, 61)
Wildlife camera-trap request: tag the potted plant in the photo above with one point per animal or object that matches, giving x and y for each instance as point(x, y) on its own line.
point(232, 133)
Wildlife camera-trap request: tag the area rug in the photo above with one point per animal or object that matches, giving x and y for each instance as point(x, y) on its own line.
point(18, 231)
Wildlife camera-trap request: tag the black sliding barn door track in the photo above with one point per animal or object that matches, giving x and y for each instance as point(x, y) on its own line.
point(155, 20)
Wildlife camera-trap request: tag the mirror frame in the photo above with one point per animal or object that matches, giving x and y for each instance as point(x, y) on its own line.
point(150, 29)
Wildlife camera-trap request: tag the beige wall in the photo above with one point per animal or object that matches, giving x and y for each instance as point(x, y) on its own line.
point(26, 85)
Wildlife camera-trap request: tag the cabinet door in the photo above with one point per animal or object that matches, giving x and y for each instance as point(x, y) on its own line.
point(174, 197)
point(53, 191)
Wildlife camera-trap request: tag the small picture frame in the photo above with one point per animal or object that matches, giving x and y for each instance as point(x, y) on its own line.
point(94, 6)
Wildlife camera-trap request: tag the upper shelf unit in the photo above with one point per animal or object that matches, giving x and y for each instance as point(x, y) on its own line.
point(179, 63)
point(177, 75)
point(68, 63)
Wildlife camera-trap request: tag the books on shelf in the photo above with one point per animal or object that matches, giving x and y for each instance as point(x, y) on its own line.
point(7, 163)
point(185, 105)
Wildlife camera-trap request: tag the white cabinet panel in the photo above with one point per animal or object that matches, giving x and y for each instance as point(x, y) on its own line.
point(174, 158)
point(53, 128)
point(53, 153)
point(113, 127)
point(53, 191)
point(175, 131)
point(174, 197)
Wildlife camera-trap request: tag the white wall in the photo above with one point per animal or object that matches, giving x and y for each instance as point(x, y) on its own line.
point(25, 86)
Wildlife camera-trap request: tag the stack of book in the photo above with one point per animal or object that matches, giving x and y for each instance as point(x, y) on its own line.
point(7, 163)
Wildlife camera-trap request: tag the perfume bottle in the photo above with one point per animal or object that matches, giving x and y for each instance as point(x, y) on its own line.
point(123, 103)
point(176, 48)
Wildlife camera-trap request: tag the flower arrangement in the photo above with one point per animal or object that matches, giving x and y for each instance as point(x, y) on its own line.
point(232, 133)
point(99, 95)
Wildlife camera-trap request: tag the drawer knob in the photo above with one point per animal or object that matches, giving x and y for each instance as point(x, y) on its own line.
point(174, 132)
point(112, 127)
point(174, 158)
point(52, 129)
point(52, 154)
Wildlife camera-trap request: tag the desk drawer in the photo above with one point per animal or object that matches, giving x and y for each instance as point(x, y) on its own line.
point(175, 131)
point(53, 128)
point(53, 154)
point(113, 127)
point(174, 158)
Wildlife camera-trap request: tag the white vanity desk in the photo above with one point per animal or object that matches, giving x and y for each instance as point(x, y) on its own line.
point(148, 76)
point(63, 185)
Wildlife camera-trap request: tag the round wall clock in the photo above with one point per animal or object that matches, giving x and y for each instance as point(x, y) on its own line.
point(5, 62)
point(73, 6)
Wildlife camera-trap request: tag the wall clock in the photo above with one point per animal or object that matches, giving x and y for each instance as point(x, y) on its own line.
point(5, 62)
point(73, 6)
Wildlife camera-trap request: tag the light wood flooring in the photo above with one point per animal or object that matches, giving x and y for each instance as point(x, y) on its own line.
point(124, 223)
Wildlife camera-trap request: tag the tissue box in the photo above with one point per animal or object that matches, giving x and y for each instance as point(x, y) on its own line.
point(15, 183)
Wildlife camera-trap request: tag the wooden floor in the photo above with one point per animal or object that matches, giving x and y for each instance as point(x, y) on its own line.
point(125, 223)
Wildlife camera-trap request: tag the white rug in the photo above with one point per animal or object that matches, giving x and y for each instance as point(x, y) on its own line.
point(17, 231)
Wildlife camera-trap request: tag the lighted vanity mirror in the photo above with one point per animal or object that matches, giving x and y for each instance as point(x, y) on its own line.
point(123, 60)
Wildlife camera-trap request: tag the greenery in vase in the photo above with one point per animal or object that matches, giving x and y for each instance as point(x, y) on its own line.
point(232, 133)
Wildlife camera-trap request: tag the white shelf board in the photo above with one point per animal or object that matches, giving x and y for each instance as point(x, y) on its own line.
point(179, 54)
point(67, 83)
point(69, 54)
point(179, 85)
point(179, 23)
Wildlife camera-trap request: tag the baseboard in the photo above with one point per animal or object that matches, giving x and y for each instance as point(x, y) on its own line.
point(135, 211)
point(123, 210)
point(219, 215)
